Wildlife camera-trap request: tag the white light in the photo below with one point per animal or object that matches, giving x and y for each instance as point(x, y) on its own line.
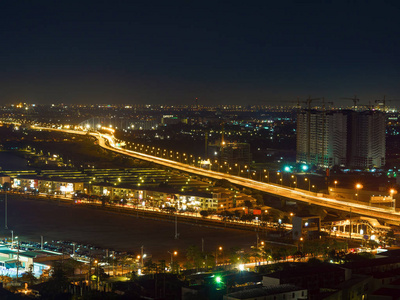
point(361, 231)
point(241, 267)
point(372, 237)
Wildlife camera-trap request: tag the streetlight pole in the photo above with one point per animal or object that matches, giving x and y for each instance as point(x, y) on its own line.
point(216, 255)
point(359, 186)
point(393, 192)
point(309, 184)
point(5, 210)
point(295, 180)
point(176, 226)
point(17, 258)
point(280, 173)
point(266, 176)
point(172, 257)
point(141, 257)
point(351, 229)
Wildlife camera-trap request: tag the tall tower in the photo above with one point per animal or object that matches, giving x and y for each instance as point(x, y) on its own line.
point(343, 138)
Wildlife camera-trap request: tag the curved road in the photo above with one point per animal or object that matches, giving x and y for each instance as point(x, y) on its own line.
point(108, 142)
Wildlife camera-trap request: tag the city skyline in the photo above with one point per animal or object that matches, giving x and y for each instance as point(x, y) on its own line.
point(162, 53)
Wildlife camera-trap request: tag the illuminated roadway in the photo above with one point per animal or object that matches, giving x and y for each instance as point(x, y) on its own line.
point(106, 141)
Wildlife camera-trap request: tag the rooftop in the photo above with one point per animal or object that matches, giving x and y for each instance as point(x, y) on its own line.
point(264, 291)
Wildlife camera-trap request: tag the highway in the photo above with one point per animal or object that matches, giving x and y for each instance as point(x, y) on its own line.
point(108, 142)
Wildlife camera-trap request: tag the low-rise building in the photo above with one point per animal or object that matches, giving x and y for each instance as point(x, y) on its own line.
point(271, 292)
point(306, 226)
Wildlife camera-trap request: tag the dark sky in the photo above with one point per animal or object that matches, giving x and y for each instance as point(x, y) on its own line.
point(223, 52)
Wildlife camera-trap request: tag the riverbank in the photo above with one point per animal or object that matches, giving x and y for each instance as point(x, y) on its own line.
point(29, 219)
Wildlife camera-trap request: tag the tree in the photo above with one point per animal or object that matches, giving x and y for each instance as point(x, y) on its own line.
point(6, 186)
point(248, 203)
point(259, 198)
point(204, 213)
point(29, 276)
point(57, 283)
point(195, 256)
point(223, 183)
point(266, 254)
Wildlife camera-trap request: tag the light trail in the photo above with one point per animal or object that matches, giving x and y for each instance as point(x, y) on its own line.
point(302, 196)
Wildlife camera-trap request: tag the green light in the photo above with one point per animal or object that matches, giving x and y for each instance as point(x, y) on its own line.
point(304, 167)
point(287, 169)
point(218, 279)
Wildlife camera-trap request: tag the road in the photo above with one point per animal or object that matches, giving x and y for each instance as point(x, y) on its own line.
point(108, 142)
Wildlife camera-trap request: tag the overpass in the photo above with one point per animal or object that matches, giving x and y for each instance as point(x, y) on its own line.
point(108, 142)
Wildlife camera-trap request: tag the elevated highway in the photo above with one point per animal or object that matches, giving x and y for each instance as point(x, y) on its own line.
point(388, 215)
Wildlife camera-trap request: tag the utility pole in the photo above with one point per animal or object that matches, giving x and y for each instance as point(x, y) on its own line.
point(41, 243)
point(206, 145)
point(5, 211)
point(202, 245)
point(17, 258)
point(351, 229)
point(176, 226)
point(141, 257)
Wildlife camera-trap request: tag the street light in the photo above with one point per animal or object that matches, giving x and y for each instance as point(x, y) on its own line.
point(393, 192)
point(295, 180)
point(265, 176)
point(281, 180)
point(359, 186)
point(309, 183)
point(174, 253)
point(335, 182)
point(216, 255)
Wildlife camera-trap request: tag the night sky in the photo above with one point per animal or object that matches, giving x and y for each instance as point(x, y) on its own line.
point(170, 52)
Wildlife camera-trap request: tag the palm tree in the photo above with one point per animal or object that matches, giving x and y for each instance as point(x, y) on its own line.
point(267, 254)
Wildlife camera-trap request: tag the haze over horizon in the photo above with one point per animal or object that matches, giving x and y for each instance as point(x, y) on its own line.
point(223, 53)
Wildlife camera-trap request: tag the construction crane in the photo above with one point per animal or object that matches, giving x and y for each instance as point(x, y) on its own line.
point(354, 99)
point(383, 101)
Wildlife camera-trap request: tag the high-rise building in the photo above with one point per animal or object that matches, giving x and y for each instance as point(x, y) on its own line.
point(342, 138)
point(368, 140)
point(321, 138)
point(235, 153)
